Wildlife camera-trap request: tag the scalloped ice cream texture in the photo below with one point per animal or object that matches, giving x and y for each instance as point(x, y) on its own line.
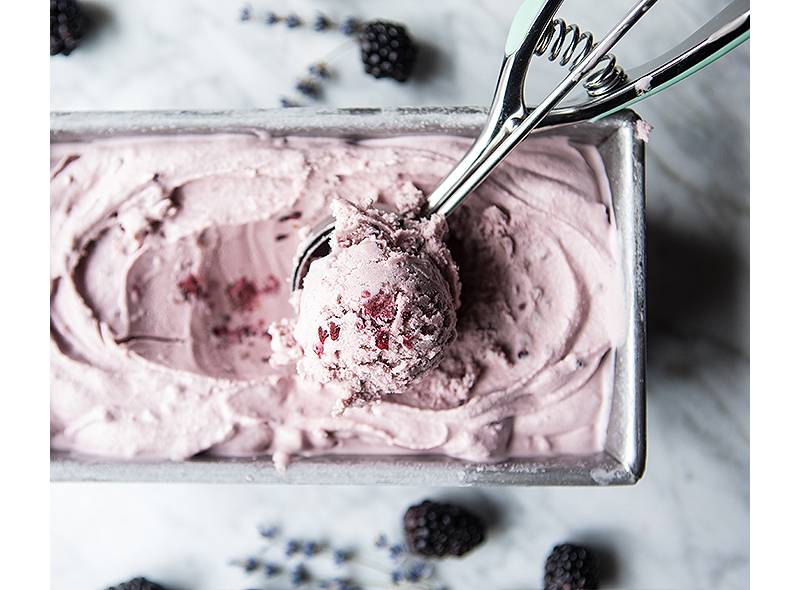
point(380, 309)
point(170, 259)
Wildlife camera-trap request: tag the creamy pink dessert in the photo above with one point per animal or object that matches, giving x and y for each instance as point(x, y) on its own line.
point(170, 258)
point(380, 310)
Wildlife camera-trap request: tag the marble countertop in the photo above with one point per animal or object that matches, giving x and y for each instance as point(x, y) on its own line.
point(686, 525)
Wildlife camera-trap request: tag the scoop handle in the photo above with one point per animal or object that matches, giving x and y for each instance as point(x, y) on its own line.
point(510, 121)
point(508, 108)
point(723, 33)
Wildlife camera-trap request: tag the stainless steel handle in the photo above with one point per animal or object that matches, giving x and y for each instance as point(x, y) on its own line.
point(510, 121)
point(506, 110)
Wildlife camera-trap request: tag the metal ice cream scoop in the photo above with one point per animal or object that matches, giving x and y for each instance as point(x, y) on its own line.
point(535, 31)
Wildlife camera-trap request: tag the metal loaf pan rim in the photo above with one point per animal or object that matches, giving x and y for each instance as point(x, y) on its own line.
point(623, 156)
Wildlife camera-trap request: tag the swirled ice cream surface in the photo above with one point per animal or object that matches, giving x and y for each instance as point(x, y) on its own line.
point(170, 258)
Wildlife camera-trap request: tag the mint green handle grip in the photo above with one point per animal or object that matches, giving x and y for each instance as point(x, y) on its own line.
point(521, 25)
point(695, 68)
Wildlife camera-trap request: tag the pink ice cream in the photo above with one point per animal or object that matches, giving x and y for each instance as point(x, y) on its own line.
point(170, 259)
point(380, 309)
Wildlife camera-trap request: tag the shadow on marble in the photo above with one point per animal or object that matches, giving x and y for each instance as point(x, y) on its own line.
point(432, 62)
point(602, 544)
point(98, 18)
point(694, 286)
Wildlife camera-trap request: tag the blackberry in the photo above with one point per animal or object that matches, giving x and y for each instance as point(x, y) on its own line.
point(68, 26)
point(571, 567)
point(138, 584)
point(387, 51)
point(436, 529)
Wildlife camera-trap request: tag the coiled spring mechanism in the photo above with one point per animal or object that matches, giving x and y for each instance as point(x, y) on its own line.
point(568, 45)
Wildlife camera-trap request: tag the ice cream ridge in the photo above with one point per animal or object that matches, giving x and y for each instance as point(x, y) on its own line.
point(174, 330)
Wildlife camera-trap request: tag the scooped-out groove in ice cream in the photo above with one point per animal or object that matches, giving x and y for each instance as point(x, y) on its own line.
point(170, 259)
point(378, 311)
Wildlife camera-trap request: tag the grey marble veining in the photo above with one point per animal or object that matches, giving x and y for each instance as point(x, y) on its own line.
point(686, 525)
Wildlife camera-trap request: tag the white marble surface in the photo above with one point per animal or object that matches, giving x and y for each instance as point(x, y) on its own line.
point(685, 525)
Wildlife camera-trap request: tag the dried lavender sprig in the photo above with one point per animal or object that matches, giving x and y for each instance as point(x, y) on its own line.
point(310, 86)
point(293, 21)
point(408, 572)
point(320, 23)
